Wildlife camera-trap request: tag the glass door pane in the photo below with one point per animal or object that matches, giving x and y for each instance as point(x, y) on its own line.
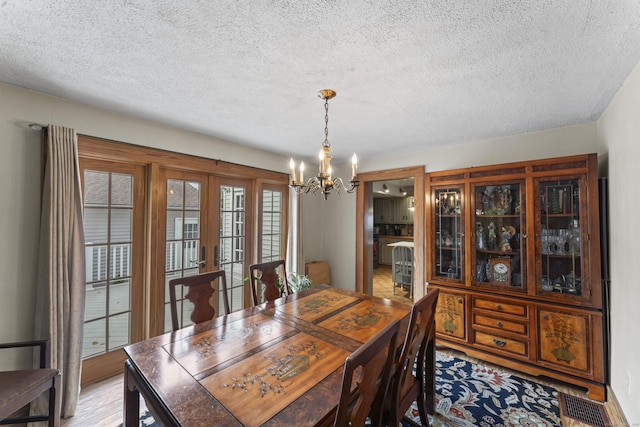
point(109, 223)
point(182, 255)
point(272, 247)
point(498, 255)
point(232, 235)
point(561, 242)
point(449, 237)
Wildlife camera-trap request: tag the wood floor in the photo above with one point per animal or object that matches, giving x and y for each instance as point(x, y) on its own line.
point(100, 404)
point(383, 286)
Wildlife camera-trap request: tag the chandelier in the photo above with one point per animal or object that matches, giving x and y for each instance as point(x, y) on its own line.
point(324, 182)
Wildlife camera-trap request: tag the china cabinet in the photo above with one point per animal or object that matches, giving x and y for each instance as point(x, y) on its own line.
point(514, 249)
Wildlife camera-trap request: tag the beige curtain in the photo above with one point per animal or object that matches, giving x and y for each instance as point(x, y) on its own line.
point(61, 266)
point(295, 247)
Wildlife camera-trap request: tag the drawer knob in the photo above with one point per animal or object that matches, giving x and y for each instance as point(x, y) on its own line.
point(499, 324)
point(459, 300)
point(545, 317)
point(499, 343)
point(498, 307)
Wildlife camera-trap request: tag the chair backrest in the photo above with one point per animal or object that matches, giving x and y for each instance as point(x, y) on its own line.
point(402, 259)
point(418, 351)
point(372, 362)
point(199, 292)
point(272, 276)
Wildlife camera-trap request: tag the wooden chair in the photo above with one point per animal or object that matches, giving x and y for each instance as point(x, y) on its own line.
point(417, 351)
point(19, 388)
point(199, 293)
point(372, 362)
point(267, 275)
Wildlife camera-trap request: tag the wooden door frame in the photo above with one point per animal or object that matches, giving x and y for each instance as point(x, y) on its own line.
point(364, 225)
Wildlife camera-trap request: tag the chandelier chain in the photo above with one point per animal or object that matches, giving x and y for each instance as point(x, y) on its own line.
point(326, 123)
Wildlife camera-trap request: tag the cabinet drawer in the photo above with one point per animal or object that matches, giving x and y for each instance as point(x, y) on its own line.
point(501, 343)
point(501, 324)
point(501, 307)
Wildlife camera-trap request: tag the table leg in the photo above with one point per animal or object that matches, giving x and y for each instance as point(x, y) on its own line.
point(131, 397)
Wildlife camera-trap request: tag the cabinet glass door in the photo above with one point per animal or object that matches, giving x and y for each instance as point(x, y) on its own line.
point(560, 238)
point(499, 254)
point(449, 234)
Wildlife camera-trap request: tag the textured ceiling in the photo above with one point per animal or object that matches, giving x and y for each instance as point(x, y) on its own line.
point(409, 74)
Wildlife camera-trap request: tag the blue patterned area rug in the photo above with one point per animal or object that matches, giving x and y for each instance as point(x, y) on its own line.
point(471, 395)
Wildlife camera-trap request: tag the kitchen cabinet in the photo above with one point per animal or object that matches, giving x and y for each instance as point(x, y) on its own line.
point(393, 210)
point(386, 251)
point(517, 247)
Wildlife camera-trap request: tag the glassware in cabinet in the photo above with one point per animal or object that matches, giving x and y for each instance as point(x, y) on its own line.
point(498, 252)
point(561, 266)
point(448, 231)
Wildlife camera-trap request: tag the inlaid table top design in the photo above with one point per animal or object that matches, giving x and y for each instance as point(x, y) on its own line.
point(275, 364)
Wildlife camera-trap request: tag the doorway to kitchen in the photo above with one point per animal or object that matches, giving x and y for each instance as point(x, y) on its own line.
point(393, 208)
point(377, 229)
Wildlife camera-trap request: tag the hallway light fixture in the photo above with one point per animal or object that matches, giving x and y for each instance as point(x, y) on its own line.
point(324, 181)
point(385, 188)
point(404, 193)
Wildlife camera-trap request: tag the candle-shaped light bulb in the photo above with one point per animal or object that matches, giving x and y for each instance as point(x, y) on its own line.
point(302, 173)
point(329, 172)
point(354, 167)
point(321, 162)
point(292, 165)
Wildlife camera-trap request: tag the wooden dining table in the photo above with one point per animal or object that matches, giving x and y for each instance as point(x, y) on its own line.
point(276, 364)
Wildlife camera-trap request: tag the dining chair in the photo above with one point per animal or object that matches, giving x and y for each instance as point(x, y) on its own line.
point(418, 352)
point(371, 363)
point(199, 292)
point(402, 268)
point(21, 387)
point(268, 281)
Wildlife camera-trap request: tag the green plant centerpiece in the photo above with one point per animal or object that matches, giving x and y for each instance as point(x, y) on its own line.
point(297, 283)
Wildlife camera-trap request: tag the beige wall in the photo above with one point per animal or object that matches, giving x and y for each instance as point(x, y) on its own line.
point(20, 181)
point(619, 142)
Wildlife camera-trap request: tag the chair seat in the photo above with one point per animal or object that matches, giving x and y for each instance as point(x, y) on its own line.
point(26, 385)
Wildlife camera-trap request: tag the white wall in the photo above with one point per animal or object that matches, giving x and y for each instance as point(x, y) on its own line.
point(619, 141)
point(337, 215)
point(20, 184)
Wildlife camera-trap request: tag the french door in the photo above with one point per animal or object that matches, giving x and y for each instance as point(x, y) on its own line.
point(202, 226)
point(152, 215)
point(114, 232)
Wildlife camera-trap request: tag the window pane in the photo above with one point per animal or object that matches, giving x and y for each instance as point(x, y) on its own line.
point(121, 190)
point(95, 225)
point(120, 261)
point(95, 301)
point(94, 338)
point(192, 195)
point(118, 331)
point(119, 294)
point(121, 225)
point(174, 194)
point(96, 188)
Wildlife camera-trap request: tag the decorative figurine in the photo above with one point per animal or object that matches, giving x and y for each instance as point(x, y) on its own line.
point(493, 239)
point(481, 241)
point(507, 233)
point(485, 201)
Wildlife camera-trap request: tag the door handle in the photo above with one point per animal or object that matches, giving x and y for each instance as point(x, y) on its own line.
point(216, 256)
